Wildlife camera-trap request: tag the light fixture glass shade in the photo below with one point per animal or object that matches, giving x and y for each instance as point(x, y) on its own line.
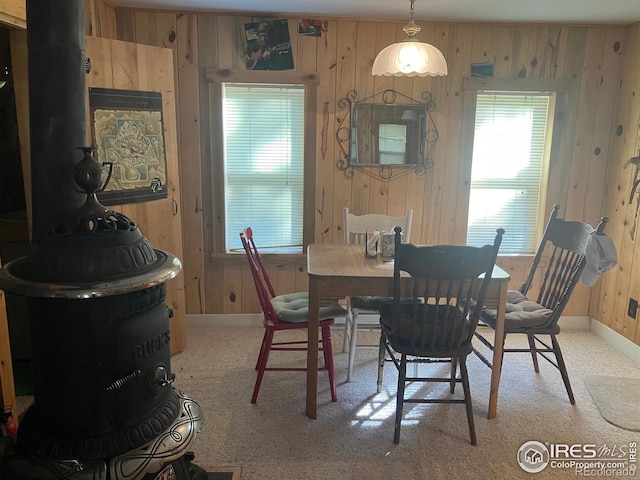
point(410, 58)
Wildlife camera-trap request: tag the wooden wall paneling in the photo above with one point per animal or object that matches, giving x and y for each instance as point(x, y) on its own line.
point(326, 230)
point(441, 95)
point(232, 286)
point(7, 391)
point(386, 34)
point(125, 24)
point(309, 182)
point(14, 13)
point(207, 40)
point(190, 155)
point(229, 30)
point(565, 123)
point(453, 223)
point(145, 25)
point(248, 297)
point(346, 42)
point(501, 50)
point(519, 59)
point(608, 91)
point(616, 200)
point(630, 148)
point(625, 218)
point(538, 53)
point(582, 148)
point(214, 228)
point(301, 277)
point(209, 299)
point(108, 24)
point(286, 275)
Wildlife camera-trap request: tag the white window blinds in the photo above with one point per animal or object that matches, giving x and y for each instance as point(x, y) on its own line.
point(264, 160)
point(509, 151)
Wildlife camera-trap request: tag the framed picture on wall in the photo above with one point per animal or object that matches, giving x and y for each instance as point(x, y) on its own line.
point(268, 45)
point(128, 133)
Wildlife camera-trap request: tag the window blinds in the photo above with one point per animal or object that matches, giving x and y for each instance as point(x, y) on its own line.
point(264, 159)
point(507, 166)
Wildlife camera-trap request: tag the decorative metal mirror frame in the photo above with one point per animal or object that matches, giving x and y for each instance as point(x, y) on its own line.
point(385, 172)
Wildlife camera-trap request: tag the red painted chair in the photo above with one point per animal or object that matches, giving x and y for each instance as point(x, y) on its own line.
point(286, 312)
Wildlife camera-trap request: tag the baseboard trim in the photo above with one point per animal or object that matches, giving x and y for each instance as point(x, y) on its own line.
point(224, 320)
point(616, 340)
point(255, 320)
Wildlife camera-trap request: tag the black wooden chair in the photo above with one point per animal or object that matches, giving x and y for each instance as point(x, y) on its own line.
point(438, 325)
point(557, 267)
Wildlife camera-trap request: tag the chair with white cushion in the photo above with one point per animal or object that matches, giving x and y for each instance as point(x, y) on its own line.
point(356, 228)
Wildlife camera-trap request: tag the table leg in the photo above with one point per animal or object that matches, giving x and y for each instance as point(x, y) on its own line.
point(496, 369)
point(312, 348)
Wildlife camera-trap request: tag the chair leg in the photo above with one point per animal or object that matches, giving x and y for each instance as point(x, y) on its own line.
point(402, 376)
point(264, 340)
point(327, 350)
point(467, 399)
point(454, 367)
point(262, 362)
point(381, 356)
point(348, 327)
point(353, 342)
point(534, 355)
point(563, 368)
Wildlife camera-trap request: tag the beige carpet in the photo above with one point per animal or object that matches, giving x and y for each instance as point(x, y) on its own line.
point(617, 399)
point(352, 439)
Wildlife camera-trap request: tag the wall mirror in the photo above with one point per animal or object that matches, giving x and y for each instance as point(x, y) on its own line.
point(387, 134)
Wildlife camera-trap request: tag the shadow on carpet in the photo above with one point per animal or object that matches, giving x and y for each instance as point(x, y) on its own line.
point(616, 399)
point(224, 473)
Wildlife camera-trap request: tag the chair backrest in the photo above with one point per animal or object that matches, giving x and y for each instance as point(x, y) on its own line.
point(356, 227)
point(264, 287)
point(564, 243)
point(447, 282)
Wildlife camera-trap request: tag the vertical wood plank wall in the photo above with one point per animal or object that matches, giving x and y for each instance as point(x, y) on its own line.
point(598, 123)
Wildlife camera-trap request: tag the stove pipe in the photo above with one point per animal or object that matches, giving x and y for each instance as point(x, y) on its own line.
point(57, 106)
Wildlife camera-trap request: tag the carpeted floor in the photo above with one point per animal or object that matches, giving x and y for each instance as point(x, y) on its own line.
point(353, 437)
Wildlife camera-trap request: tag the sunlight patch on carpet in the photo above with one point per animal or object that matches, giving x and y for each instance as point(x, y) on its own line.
point(616, 399)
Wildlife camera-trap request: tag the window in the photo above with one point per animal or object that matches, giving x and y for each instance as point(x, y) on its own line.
point(510, 151)
point(263, 131)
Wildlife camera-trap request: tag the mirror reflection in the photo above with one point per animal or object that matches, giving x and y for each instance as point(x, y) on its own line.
point(384, 134)
point(389, 131)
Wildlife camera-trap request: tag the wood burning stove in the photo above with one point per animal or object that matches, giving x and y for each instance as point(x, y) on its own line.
point(104, 404)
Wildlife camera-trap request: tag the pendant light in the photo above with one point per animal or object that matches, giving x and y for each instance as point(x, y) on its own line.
point(410, 57)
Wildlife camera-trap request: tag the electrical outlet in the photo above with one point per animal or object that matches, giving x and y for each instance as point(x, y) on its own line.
point(633, 307)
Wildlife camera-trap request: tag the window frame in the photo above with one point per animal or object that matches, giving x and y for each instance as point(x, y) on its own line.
point(215, 79)
point(549, 195)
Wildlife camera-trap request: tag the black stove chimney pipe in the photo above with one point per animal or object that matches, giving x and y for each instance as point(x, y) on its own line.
point(57, 107)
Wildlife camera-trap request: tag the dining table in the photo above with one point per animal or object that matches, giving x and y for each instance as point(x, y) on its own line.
point(338, 271)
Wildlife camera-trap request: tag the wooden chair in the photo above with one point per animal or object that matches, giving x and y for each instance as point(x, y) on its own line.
point(557, 265)
point(438, 326)
point(286, 312)
point(356, 228)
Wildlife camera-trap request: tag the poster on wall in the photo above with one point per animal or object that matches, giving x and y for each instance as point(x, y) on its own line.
point(128, 133)
point(267, 45)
